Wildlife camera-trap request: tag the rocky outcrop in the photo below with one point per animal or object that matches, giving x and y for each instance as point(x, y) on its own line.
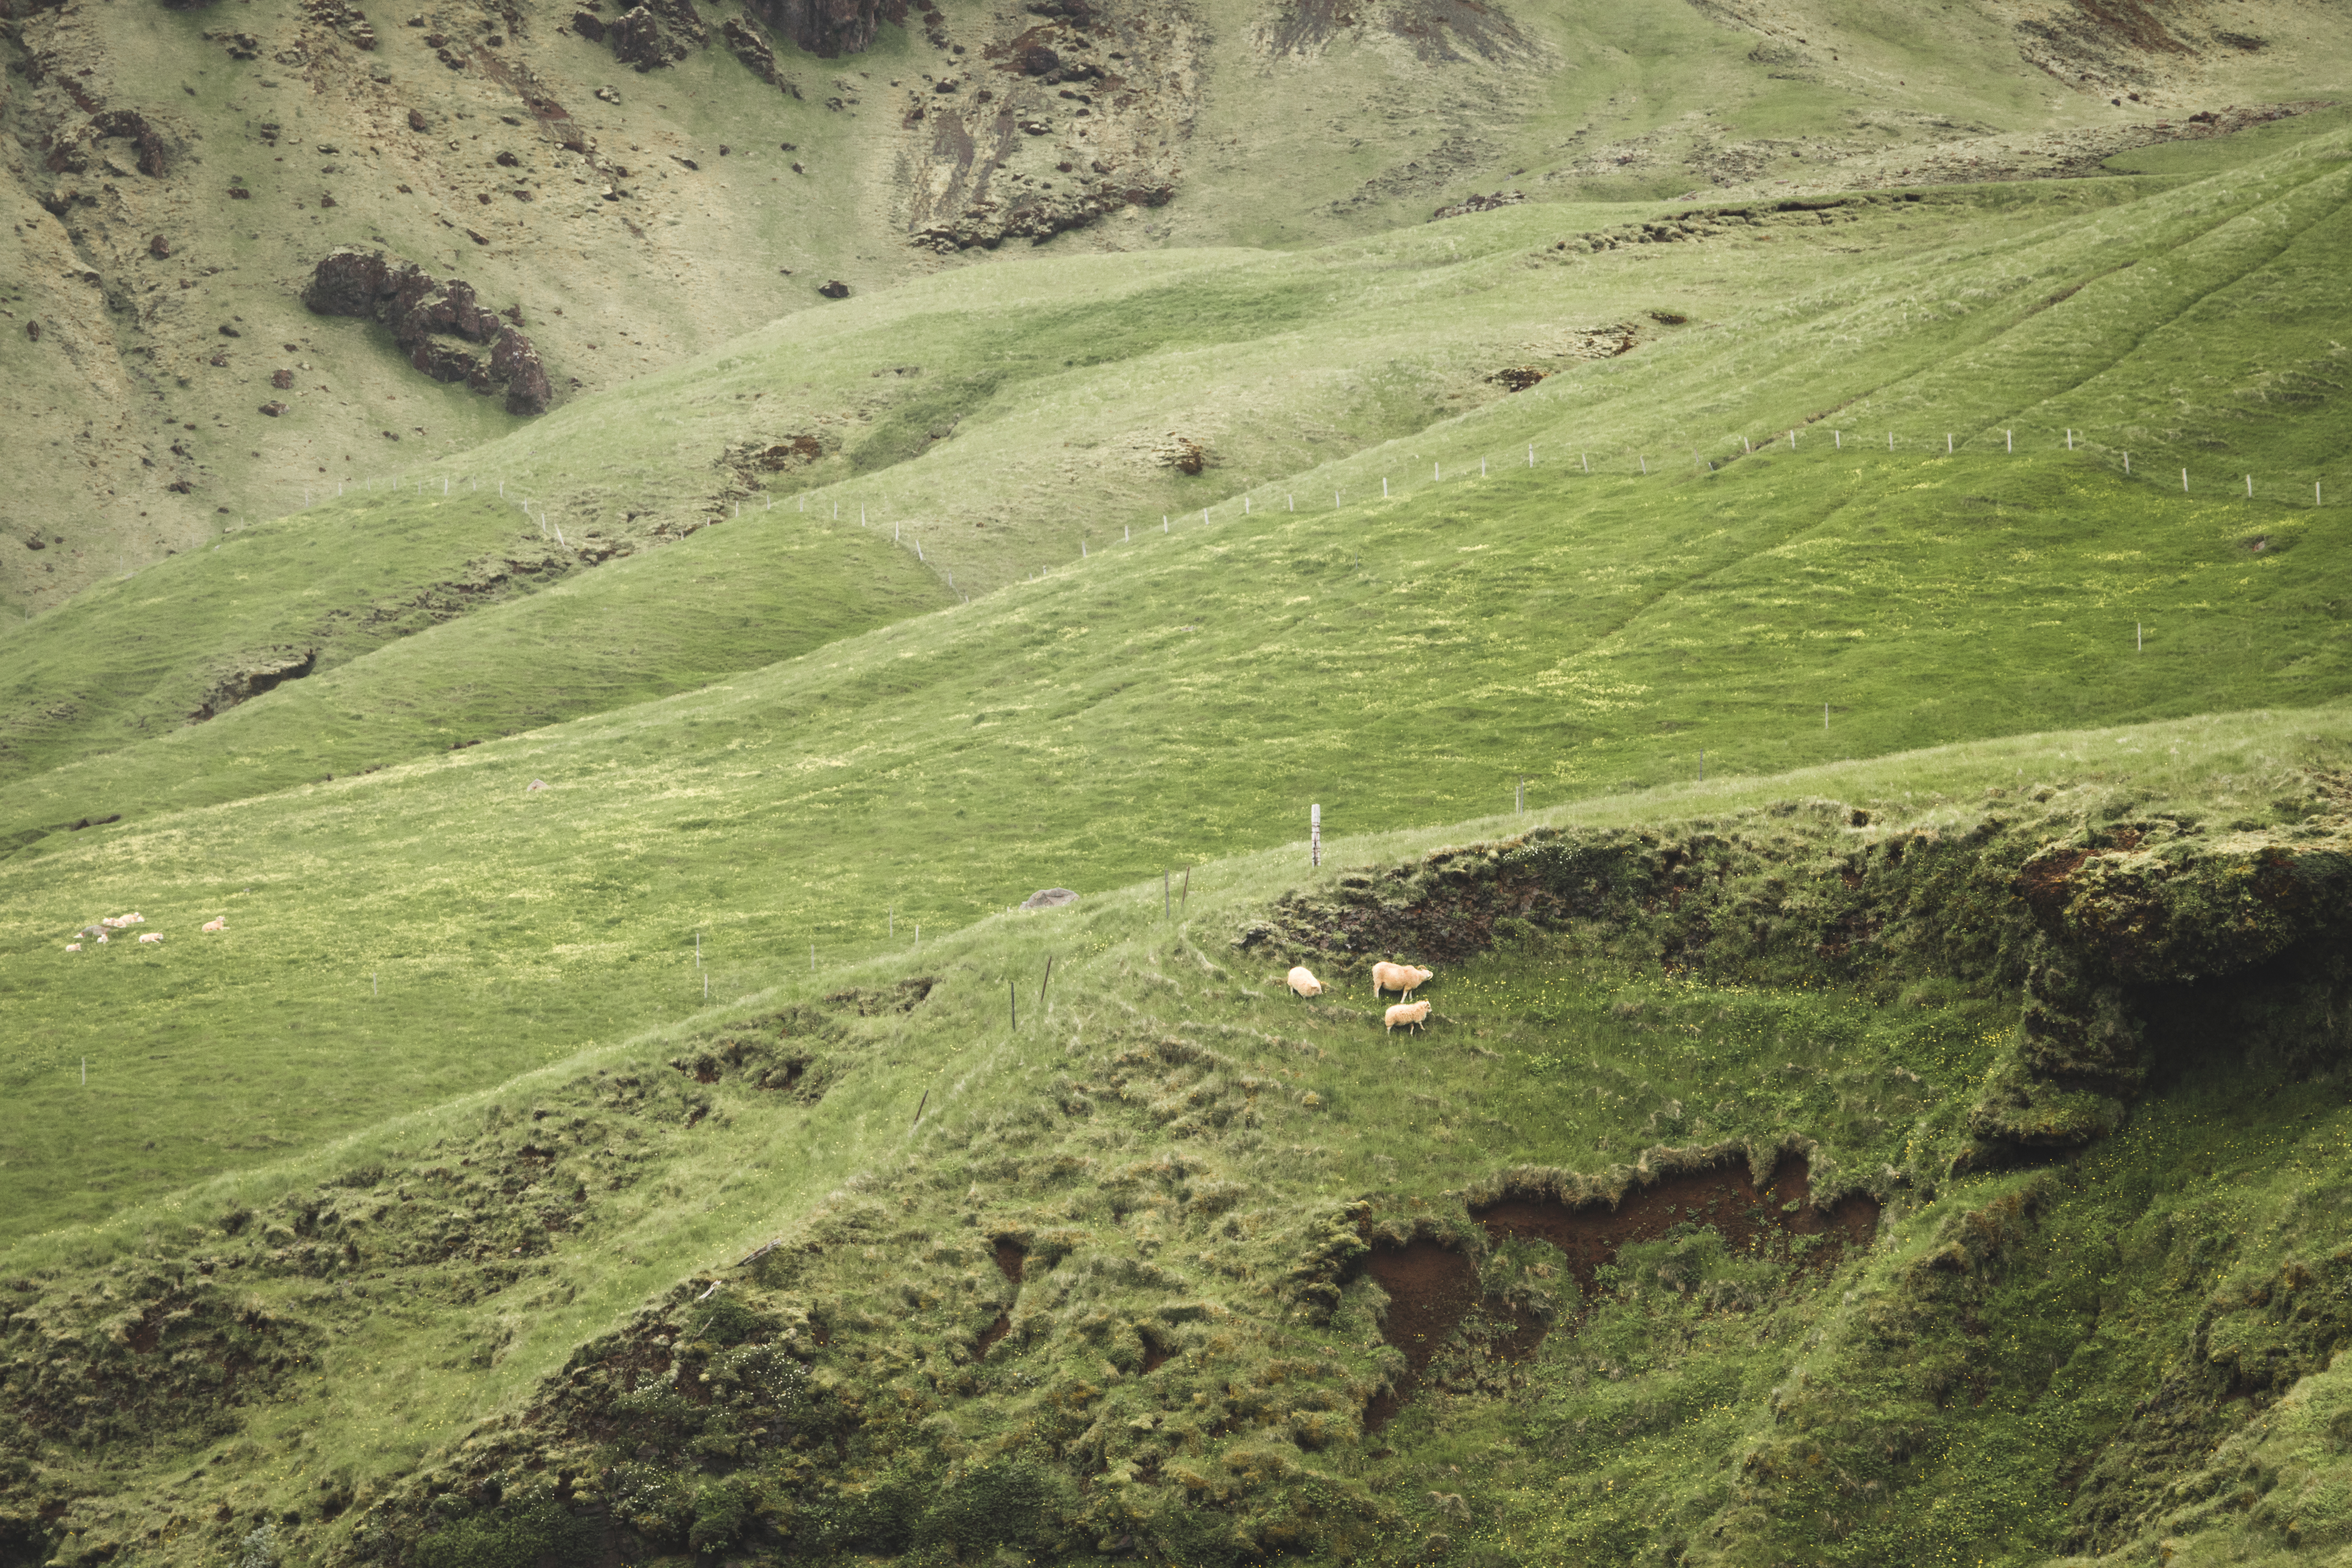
point(249, 676)
point(1052, 119)
point(72, 151)
point(658, 33)
point(133, 125)
point(1477, 204)
point(751, 45)
point(1037, 217)
point(827, 28)
point(425, 313)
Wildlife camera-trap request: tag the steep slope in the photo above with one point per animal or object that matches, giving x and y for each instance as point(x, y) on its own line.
point(1683, 1229)
point(1039, 414)
point(1055, 419)
point(1186, 696)
point(629, 190)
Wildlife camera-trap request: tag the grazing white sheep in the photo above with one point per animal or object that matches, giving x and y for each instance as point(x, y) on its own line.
point(1302, 981)
point(119, 921)
point(151, 936)
point(73, 947)
point(101, 939)
point(1415, 1014)
point(535, 784)
point(1403, 978)
point(220, 924)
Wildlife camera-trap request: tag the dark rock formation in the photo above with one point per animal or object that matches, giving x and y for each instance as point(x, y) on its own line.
point(252, 675)
point(751, 47)
point(1037, 216)
point(829, 27)
point(424, 313)
point(131, 123)
point(1478, 204)
point(658, 33)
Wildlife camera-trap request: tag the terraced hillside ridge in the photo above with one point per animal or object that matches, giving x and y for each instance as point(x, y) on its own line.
point(633, 186)
point(1714, 1217)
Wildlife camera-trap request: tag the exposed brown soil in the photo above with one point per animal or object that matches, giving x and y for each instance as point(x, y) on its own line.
point(1011, 1262)
point(2042, 883)
point(1725, 1196)
point(1430, 1289)
point(1433, 1293)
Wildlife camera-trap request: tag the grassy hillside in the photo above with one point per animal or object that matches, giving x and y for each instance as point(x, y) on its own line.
point(1186, 696)
point(1859, 735)
point(1045, 421)
point(635, 219)
point(1146, 1268)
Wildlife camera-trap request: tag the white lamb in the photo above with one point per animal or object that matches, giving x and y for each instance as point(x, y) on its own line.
point(1302, 981)
point(220, 924)
point(1415, 1014)
point(151, 936)
point(1403, 978)
point(73, 947)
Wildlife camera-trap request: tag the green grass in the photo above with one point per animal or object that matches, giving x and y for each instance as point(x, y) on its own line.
point(1176, 1182)
point(1168, 700)
point(1060, 382)
point(1038, 739)
point(415, 1122)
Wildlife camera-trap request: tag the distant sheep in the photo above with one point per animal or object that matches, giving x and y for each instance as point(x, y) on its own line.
point(535, 784)
point(1402, 978)
point(220, 924)
point(1302, 981)
point(73, 947)
point(151, 936)
point(118, 921)
point(1415, 1014)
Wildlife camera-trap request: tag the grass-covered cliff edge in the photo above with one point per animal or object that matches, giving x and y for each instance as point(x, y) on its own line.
point(1945, 1166)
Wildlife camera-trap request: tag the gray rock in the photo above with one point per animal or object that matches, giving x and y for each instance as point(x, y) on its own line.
point(1049, 898)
